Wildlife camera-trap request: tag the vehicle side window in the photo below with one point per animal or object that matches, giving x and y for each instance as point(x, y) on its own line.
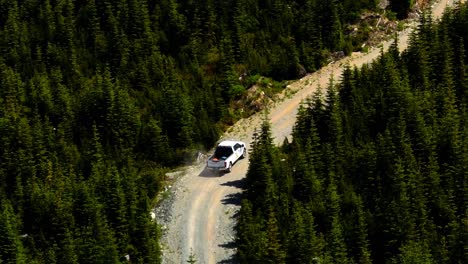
point(237, 146)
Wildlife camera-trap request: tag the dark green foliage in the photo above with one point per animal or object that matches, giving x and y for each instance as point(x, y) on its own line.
point(191, 258)
point(376, 169)
point(401, 7)
point(98, 97)
point(11, 247)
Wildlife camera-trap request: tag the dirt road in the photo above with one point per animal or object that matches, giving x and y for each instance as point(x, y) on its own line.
point(198, 218)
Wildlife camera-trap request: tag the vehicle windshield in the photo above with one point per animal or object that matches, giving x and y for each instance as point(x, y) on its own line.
point(222, 152)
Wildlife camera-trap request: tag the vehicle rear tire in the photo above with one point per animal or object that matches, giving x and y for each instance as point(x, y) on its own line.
point(229, 168)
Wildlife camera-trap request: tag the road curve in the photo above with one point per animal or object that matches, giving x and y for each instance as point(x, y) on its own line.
point(202, 211)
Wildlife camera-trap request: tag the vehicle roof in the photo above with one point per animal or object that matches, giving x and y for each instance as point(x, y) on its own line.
point(229, 143)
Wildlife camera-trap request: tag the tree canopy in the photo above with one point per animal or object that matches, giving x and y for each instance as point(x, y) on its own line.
point(99, 97)
point(377, 168)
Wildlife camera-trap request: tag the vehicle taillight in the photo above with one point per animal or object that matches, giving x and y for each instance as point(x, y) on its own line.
point(225, 164)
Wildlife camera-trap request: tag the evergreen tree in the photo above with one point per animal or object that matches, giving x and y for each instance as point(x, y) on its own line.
point(11, 247)
point(259, 176)
point(274, 251)
point(98, 97)
point(252, 240)
point(401, 7)
point(377, 167)
point(415, 252)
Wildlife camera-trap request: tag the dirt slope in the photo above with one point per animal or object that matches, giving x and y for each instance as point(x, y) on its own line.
point(198, 217)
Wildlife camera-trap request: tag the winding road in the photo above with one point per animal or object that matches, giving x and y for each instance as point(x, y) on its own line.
point(203, 206)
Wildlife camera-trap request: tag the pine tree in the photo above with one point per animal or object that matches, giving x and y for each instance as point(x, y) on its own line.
point(331, 25)
point(303, 177)
point(11, 33)
point(305, 245)
point(274, 250)
point(251, 239)
point(67, 252)
point(191, 259)
point(176, 111)
point(154, 144)
point(415, 252)
point(364, 255)
point(309, 36)
point(11, 247)
point(335, 242)
point(259, 175)
point(401, 7)
point(95, 240)
point(461, 74)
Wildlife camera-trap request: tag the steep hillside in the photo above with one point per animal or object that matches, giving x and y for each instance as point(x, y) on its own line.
point(376, 168)
point(200, 212)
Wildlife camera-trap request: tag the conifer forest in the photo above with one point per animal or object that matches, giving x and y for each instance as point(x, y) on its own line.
point(376, 171)
point(100, 98)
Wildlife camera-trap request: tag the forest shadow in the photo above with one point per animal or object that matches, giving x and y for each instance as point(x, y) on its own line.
point(233, 199)
point(231, 259)
point(236, 215)
point(240, 184)
point(228, 245)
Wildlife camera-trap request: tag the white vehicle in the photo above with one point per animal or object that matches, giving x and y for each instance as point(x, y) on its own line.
point(226, 154)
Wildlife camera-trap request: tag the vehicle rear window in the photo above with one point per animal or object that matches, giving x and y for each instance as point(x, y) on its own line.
point(223, 151)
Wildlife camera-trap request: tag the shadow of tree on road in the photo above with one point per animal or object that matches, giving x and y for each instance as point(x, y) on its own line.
point(229, 245)
point(233, 198)
point(231, 259)
point(237, 184)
